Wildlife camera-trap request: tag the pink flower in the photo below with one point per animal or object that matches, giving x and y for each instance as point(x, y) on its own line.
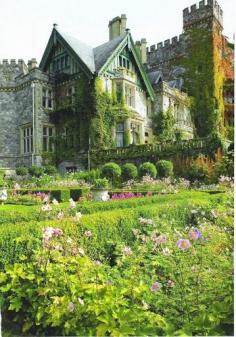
point(160, 239)
point(194, 234)
point(88, 234)
point(183, 244)
point(127, 251)
point(156, 286)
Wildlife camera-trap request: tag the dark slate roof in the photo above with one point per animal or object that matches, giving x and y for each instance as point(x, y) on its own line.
point(104, 51)
point(176, 83)
point(84, 51)
point(155, 76)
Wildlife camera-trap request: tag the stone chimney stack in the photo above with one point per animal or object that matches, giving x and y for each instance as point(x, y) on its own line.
point(144, 51)
point(141, 47)
point(32, 64)
point(117, 26)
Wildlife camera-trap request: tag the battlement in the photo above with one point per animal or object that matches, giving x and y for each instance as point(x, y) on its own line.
point(205, 9)
point(11, 62)
point(167, 43)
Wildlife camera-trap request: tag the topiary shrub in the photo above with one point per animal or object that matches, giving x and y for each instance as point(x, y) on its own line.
point(36, 171)
point(164, 168)
point(22, 171)
point(197, 172)
point(111, 171)
point(129, 171)
point(50, 170)
point(147, 169)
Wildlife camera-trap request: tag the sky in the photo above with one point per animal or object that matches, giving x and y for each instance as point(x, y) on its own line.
point(25, 25)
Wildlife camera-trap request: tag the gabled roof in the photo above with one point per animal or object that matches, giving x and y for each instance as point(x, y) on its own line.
point(96, 60)
point(84, 51)
point(104, 51)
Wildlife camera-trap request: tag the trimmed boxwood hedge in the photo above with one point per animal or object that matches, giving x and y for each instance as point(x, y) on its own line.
point(61, 195)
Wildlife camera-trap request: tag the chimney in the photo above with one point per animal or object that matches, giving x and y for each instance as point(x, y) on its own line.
point(138, 48)
point(33, 63)
point(29, 65)
point(117, 26)
point(144, 51)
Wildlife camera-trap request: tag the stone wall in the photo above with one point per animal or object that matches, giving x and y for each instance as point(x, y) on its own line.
point(16, 111)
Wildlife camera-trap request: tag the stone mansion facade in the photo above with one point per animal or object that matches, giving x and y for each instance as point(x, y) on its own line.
point(145, 79)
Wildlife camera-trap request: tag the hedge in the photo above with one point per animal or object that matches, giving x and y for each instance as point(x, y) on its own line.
point(108, 228)
point(61, 195)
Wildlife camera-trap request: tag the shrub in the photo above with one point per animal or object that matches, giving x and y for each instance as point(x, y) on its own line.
point(50, 170)
point(76, 193)
point(224, 167)
point(22, 171)
point(101, 183)
point(111, 171)
point(129, 171)
point(88, 176)
point(36, 171)
point(198, 172)
point(164, 168)
point(147, 169)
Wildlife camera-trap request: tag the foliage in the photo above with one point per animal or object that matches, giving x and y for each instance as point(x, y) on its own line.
point(111, 171)
point(129, 171)
point(22, 171)
point(204, 78)
point(163, 125)
point(164, 168)
point(88, 176)
point(144, 272)
point(101, 183)
point(224, 166)
point(36, 171)
point(50, 170)
point(147, 169)
point(197, 171)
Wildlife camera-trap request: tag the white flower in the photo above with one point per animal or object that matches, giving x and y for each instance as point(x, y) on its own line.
point(166, 251)
point(78, 216)
point(60, 215)
point(81, 251)
point(46, 208)
point(127, 250)
point(71, 307)
point(72, 203)
point(55, 202)
point(80, 301)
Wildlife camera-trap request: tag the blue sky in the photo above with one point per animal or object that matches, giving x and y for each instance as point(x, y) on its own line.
point(25, 25)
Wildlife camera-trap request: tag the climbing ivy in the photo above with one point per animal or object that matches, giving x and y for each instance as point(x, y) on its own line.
point(204, 79)
point(163, 125)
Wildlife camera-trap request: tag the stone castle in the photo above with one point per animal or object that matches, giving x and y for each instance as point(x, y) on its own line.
point(184, 85)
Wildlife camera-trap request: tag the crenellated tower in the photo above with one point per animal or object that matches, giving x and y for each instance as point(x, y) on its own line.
point(197, 57)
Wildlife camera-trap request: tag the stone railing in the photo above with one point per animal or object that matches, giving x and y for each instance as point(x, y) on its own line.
point(165, 150)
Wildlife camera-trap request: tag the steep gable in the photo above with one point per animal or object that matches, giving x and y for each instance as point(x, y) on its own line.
point(67, 54)
point(108, 52)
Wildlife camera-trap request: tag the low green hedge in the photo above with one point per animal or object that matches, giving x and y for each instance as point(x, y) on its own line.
point(109, 228)
point(63, 194)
